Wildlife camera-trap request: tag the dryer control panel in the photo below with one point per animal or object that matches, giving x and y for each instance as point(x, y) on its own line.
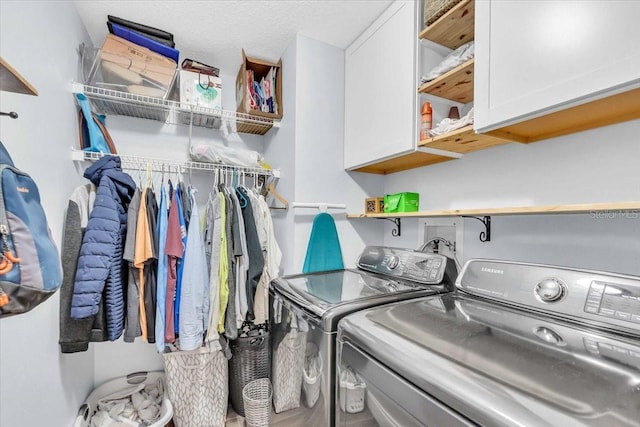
point(404, 264)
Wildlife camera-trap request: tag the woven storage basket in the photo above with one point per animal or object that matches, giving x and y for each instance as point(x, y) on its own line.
point(434, 9)
point(198, 387)
point(250, 360)
point(257, 403)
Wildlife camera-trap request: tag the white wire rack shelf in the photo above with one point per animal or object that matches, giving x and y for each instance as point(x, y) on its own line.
point(109, 101)
point(163, 165)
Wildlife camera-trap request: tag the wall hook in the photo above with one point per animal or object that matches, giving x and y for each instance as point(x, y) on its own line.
point(485, 236)
point(398, 230)
point(11, 114)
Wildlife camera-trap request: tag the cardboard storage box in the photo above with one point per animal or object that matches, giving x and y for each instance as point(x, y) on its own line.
point(401, 202)
point(200, 89)
point(125, 66)
point(257, 69)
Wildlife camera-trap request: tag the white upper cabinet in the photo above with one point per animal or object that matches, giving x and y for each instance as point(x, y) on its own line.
point(380, 88)
point(576, 63)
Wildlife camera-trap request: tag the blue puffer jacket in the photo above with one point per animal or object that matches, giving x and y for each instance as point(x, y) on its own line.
point(100, 263)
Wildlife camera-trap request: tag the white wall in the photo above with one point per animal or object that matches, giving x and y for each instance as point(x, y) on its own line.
point(600, 241)
point(319, 135)
point(599, 165)
point(39, 386)
point(279, 152)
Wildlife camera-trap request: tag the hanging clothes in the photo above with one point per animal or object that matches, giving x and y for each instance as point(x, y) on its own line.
point(183, 235)
point(100, 265)
point(194, 301)
point(185, 202)
point(272, 256)
point(132, 327)
point(143, 253)
point(242, 267)
point(151, 266)
point(213, 234)
point(174, 249)
point(223, 272)
point(75, 335)
point(256, 259)
point(323, 250)
point(230, 329)
point(163, 261)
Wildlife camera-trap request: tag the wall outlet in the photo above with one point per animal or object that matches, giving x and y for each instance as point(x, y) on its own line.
point(450, 229)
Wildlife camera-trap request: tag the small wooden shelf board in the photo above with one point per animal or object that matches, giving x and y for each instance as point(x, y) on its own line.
point(463, 140)
point(12, 81)
point(454, 28)
point(615, 207)
point(455, 85)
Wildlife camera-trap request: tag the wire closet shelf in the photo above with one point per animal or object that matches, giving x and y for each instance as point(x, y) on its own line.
point(109, 101)
point(163, 165)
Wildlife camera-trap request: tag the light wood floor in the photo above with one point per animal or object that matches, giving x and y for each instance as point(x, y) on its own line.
point(296, 418)
point(290, 418)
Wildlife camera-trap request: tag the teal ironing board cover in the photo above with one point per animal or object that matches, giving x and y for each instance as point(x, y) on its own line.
point(323, 251)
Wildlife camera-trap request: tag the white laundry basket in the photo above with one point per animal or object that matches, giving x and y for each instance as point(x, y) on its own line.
point(90, 405)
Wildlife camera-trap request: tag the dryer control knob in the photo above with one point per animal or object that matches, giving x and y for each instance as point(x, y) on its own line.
point(550, 290)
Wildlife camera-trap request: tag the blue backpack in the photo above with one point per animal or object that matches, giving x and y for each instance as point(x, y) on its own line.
point(30, 270)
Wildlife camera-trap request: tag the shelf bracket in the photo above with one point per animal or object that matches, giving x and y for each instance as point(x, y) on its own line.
point(485, 236)
point(398, 230)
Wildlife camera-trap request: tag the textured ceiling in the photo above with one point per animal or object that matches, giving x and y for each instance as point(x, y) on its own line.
point(215, 31)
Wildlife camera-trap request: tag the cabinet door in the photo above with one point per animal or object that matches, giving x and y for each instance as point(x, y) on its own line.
point(538, 57)
point(380, 88)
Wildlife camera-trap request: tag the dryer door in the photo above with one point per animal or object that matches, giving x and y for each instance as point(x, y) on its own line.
point(369, 394)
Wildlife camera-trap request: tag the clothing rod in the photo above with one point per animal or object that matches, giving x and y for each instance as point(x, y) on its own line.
point(322, 206)
point(157, 165)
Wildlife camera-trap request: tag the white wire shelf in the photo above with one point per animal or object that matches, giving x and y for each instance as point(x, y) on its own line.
point(164, 165)
point(109, 101)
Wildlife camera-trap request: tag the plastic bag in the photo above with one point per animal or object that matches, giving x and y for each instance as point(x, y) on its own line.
point(455, 58)
point(215, 152)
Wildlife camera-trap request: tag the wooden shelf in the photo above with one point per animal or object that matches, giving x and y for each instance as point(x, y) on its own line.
point(454, 28)
point(12, 81)
point(602, 112)
point(455, 85)
point(463, 140)
point(614, 207)
point(401, 163)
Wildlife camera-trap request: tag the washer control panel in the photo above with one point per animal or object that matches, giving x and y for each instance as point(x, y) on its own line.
point(613, 300)
point(405, 264)
point(606, 298)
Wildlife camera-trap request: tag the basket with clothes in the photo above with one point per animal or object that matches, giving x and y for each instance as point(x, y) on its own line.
point(137, 399)
point(250, 361)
